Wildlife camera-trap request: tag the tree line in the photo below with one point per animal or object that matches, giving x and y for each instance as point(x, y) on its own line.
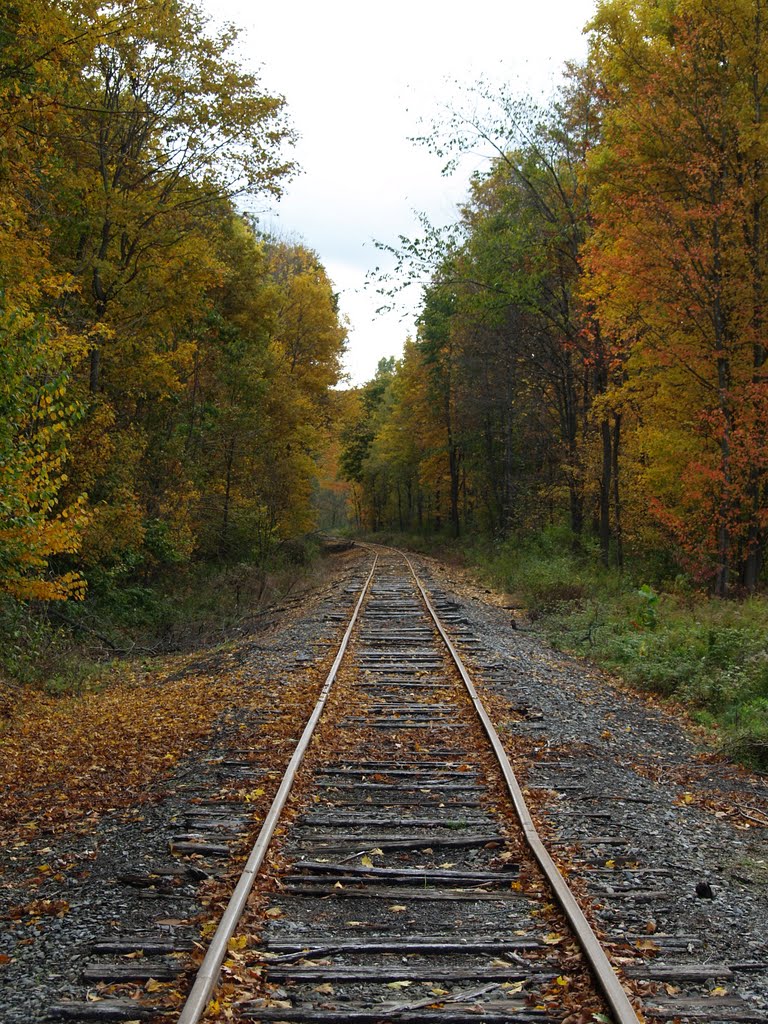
point(591, 344)
point(165, 367)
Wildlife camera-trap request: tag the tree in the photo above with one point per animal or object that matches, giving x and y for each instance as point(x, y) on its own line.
point(679, 257)
point(35, 420)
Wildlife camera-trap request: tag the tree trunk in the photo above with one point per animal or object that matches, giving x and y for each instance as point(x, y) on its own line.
point(94, 369)
point(454, 460)
point(223, 536)
point(605, 493)
point(618, 531)
point(723, 572)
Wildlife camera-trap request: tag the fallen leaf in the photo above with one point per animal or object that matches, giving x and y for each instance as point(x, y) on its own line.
point(513, 987)
point(324, 990)
point(399, 984)
point(397, 908)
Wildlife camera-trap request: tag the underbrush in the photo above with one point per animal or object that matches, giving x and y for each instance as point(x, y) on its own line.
point(659, 634)
point(64, 648)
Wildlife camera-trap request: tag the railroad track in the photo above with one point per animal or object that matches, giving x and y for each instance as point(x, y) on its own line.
point(409, 883)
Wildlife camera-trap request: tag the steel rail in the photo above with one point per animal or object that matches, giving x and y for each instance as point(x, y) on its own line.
point(208, 972)
point(601, 967)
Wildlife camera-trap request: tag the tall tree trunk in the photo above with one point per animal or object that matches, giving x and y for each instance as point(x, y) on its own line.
point(94, 369)
point(454, 460)
point(756, 539)
point(223, 536)
point(723, 572)
point(605, 492)
point(618, 526)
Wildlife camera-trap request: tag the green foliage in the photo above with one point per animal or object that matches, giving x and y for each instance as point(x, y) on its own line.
point(710, 655)
point(37, 650)
point(73, 648)
point(648, 614)
point(748, 731)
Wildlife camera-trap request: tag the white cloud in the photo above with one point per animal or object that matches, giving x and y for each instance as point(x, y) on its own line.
point(357, 76)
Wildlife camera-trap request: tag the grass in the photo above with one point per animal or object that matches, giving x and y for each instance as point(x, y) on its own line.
point(660, 635)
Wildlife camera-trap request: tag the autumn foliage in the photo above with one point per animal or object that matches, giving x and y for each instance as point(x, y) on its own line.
point(591, 347)
point(164, 366)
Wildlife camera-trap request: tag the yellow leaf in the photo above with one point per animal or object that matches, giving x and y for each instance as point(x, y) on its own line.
point(513, 987)
point(553, 938)
point(366, 861)
point(237, 942)
point(274, 912)
point(397, 908)
point(153, 985)
point(563, 981)
point(399, 984)
point(719, 990)
point(325, 989)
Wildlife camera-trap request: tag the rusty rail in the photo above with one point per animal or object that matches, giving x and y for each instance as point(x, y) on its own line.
point(207, 976)
point(599, 963)
point(208, 973)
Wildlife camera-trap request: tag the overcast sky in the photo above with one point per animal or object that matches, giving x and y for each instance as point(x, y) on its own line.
point(358, 77)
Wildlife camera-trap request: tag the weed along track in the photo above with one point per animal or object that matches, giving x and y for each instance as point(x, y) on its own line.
point(398, 875)
point(404, 888)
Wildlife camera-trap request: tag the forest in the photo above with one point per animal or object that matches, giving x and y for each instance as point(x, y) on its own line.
point(166, 374)
point(585, 403)
point(586, 395)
